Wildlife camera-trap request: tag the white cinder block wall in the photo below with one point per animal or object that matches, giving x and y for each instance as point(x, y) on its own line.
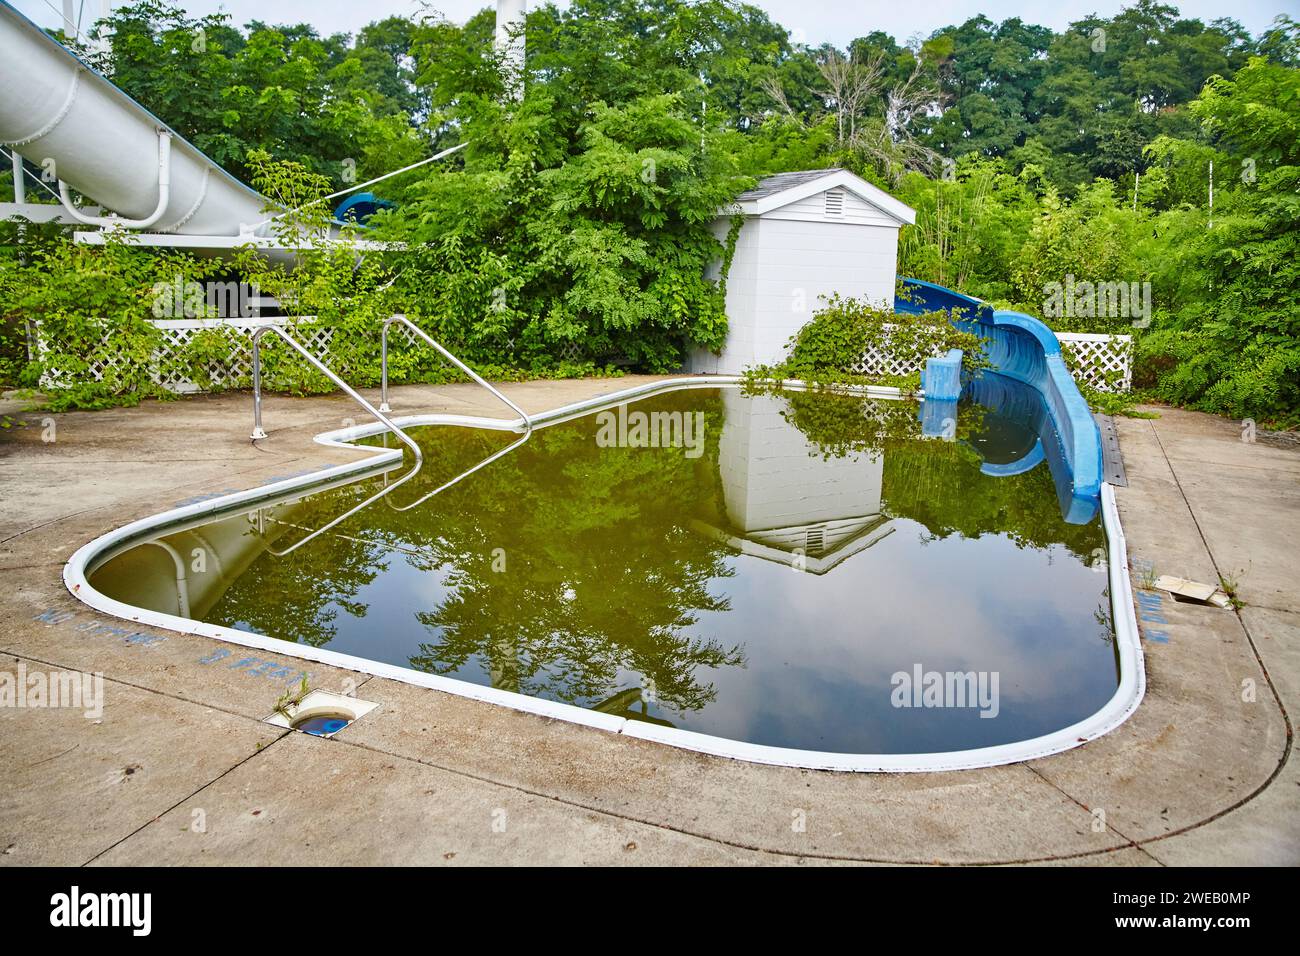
point(806, 235)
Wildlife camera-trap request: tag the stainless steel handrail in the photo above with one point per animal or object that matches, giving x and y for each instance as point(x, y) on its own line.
point(386, 490)
point(383, 367)
point(259, 433)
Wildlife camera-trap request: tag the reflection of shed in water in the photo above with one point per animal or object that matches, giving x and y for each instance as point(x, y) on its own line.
point(784, 501)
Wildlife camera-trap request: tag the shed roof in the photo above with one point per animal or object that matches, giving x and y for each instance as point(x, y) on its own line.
point(773, 192)
point(770, 185)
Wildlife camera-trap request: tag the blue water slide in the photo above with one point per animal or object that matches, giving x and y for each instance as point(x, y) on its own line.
point(1023, 348)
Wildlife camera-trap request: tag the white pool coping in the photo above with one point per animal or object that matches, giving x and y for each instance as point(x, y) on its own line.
point(1128, 695)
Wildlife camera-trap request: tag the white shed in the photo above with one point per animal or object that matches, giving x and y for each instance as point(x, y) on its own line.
point(806, 235)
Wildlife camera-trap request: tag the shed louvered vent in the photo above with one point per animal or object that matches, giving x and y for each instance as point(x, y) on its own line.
point(815, 540)
point(834, 202)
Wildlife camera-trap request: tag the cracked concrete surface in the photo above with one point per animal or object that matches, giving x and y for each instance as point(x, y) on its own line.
point(180, 769)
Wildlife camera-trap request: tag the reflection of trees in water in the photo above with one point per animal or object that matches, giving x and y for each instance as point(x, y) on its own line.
point(935, 482)
point(298, 597)
point(838, 424)
point(601, 576)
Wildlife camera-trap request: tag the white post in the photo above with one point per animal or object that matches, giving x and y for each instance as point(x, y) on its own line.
point(511, 15)
point(20, 197)
point(105, 11)
point(20, 187)
point(69, 20)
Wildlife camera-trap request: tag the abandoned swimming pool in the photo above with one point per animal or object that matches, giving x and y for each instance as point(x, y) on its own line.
point(810, 578)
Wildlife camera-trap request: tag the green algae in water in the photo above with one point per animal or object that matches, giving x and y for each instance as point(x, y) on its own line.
point(763, 574)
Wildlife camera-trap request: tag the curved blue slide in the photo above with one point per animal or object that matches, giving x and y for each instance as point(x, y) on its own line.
point(1023, 348)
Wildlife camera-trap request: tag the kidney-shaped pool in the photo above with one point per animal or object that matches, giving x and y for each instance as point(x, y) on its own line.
point(813, 578)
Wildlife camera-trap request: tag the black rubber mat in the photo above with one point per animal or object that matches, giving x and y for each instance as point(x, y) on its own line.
point(1112, 463)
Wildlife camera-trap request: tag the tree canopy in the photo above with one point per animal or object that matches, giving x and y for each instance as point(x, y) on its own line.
point(578, 220)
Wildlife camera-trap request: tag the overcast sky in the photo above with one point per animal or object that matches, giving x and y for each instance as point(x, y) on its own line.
point(811, 22)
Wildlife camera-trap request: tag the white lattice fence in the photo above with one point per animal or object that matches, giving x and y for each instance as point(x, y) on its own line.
point(1104, 362)
point(236, 366)
point(177, 334)
point(232, 369)
point(878, 360)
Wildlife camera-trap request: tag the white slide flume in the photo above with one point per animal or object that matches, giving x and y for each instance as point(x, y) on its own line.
point(87, 134)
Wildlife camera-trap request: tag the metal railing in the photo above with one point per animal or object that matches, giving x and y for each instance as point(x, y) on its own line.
point(259, 433)
point(379, 415)
point(383, 367)
point(384, 406)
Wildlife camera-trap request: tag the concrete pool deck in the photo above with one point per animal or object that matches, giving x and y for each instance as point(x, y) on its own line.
point(179, 769)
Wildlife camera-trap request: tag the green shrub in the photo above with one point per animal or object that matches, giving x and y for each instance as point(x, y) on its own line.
point(825, 350)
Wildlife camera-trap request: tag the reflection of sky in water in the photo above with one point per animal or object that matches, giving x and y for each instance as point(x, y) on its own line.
point(829, 645)
point(818, 649)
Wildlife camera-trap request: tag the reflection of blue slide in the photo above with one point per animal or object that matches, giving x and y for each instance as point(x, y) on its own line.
point(1018, 433)
point(1025, 350)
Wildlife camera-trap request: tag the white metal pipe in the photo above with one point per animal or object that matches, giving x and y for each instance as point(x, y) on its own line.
point(164, 194)
point(512, 16)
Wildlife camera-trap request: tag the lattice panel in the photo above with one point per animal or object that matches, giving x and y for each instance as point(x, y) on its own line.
point(1103, 362)
point(879, 361)
point(236, 368)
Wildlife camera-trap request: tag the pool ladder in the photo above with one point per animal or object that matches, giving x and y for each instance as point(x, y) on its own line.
point(379, 414)
point(259, 433)
point(384, 406)
point(383, 367)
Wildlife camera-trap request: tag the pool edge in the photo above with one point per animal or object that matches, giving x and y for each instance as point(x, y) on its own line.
point(1126, 699)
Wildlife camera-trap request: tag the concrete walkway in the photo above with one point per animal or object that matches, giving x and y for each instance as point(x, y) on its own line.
point(180, 769)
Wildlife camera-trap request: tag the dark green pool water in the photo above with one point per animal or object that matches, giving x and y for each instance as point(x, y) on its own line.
point(764, 574)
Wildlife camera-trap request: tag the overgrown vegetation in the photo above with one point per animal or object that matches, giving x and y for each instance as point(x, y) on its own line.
point(574, 229)
point(93, 305)
point(825, 350)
